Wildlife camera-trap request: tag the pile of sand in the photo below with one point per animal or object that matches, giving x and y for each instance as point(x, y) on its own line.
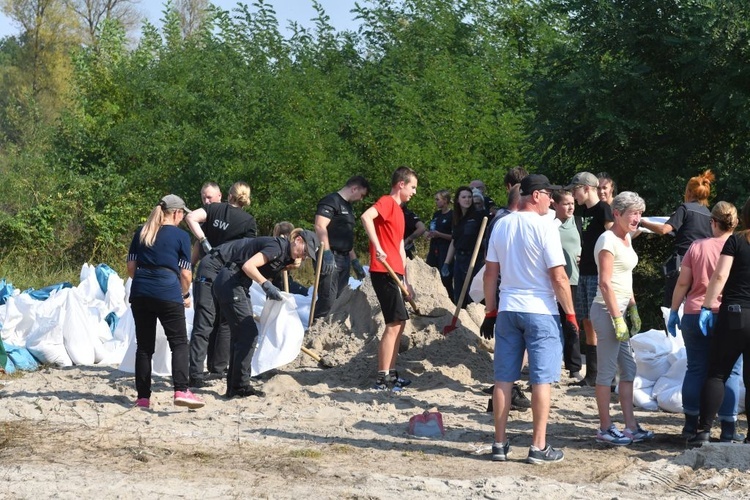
point(349, 338)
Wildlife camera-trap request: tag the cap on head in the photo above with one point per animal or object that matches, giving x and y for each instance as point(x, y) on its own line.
point(476, 193)
point(173, 202)
point(535, 182)
point(583, 179)
point(312, 243)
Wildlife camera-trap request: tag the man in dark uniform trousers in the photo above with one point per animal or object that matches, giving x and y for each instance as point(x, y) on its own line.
point(334, 225)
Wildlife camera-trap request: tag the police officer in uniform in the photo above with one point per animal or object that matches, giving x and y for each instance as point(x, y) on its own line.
point(213, 225)
point(334, 225)
point(248, 260)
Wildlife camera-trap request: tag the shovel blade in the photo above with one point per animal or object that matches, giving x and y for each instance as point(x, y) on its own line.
point(449, 328)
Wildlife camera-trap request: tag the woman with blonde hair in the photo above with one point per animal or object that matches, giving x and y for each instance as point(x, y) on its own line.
point(691, 221)
point(159, 264)
point(213, 225)
point(698, 265)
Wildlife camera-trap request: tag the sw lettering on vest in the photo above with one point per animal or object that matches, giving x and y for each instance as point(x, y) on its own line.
point(221, 224)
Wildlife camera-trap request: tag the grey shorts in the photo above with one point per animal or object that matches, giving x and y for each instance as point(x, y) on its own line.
point(612, 355)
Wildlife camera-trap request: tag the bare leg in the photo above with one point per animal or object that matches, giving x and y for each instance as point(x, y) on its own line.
point(603, 394)
point(626, 403)
point(540, 403)
point(590, 333)
point(388, 349)
point(501, 408)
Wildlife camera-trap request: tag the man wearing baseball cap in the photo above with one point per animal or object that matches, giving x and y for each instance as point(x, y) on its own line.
point(526, 248)
point(596, 218)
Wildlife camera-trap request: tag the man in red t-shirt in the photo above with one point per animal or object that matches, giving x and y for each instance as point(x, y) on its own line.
point(384, 224)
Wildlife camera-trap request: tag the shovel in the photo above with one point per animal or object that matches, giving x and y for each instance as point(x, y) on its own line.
point(405, 291)
point(309, 352)
point(449, 328)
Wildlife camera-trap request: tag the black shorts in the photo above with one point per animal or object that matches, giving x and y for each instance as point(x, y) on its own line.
point(390, 297)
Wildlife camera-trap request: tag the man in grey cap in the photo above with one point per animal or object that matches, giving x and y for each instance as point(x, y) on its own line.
point(526, 248)
point(596, 218)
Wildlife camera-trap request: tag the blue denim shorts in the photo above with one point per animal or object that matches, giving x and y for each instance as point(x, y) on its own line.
point(540, 335)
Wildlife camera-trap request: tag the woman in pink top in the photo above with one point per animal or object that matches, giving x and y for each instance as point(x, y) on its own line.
point(697, 267)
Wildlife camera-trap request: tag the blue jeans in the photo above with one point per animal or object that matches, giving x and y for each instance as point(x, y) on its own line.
point(698, 349)
point(538, 334)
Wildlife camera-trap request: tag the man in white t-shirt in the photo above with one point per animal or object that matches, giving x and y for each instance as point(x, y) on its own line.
point(526, 247)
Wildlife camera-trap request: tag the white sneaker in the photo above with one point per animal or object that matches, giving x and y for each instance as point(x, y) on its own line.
point(613, 436)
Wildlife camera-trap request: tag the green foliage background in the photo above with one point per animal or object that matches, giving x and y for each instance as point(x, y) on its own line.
point(652, 91)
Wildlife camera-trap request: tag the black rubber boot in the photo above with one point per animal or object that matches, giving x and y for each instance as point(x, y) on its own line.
point(729, 433)
point(591, 365)
point(691, 426)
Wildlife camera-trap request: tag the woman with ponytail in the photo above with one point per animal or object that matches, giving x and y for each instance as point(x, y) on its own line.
point(159, 264)
point(691, 221)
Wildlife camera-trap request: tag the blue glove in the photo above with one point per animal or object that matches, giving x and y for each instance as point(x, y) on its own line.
point(329, 263)
point(673, 323)
point(445, 271)
point(706, 321)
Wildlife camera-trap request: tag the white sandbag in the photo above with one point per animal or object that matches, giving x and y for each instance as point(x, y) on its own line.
point(650, 350)
point(476, 289)
point(45, 341)
point(161, 362)
point(20, 318)
point(117, 347)
point(280, 335)
point(642, 383)
point(258, 299)
point(678, 369)
point(670, 399)
point(642, 399)
point(83, 329)
point(678, 342)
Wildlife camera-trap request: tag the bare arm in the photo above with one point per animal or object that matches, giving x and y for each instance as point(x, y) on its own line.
point(656, 227)
point(606, 264)
point(421, 228)
point(491, 272)
point(682, 287)
point(321, 229)
point(561, 286)
point(368, 218)
point(132, 265)
point(251, 265)
point(194, 220)
point(718, 280)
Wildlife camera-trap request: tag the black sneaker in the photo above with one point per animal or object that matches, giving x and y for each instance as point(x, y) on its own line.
point(198, 382)
point(489, 390)
point(500, 453)
point(518, 400)
point(244, 392)
point(582, 383)
point(544, 456)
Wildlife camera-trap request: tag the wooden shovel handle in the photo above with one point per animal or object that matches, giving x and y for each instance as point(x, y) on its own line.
point(403, 288)
point(318, 266)
point(473, 261)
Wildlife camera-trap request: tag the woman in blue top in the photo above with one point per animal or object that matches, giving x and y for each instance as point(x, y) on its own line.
point(159, 264)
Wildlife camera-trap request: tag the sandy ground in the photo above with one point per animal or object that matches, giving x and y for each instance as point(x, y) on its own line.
point(74, 433)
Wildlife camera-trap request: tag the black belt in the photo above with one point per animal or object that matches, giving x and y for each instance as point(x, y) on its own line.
point(145, 266)
point(339, 252)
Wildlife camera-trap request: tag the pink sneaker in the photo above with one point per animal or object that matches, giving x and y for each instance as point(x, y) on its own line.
point(143, 403)
point(187, 398)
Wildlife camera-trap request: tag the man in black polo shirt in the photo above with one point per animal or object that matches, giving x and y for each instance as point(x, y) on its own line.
point(334, 225)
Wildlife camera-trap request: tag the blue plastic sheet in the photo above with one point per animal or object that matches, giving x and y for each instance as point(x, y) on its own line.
point(103, 272)
point(6, 290)
point(21, 358)
point(44, 293)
